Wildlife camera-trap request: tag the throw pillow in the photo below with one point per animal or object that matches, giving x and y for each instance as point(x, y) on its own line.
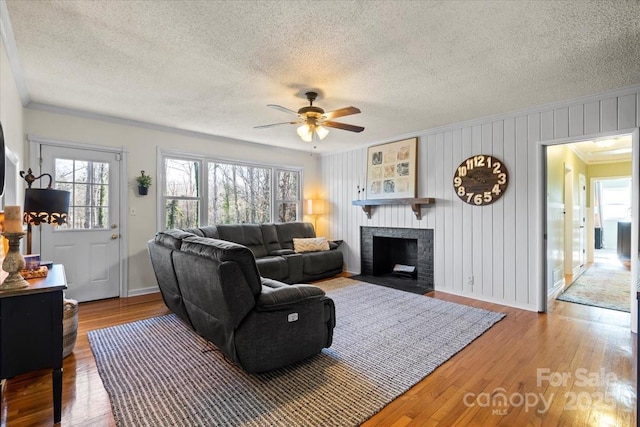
point(312, 244)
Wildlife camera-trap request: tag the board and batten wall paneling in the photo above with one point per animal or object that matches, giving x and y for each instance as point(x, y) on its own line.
point(492, 253)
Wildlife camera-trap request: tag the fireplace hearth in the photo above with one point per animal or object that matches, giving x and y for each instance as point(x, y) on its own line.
point(382, 248)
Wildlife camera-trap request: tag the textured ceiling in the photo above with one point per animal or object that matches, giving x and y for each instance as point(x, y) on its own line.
point(213, 66)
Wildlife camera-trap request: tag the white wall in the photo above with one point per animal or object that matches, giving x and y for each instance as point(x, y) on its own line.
point(11, 111)
point(492, 253)
point(141, 145)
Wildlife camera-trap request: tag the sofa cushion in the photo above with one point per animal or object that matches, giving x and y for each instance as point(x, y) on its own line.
point(222, 251)
point(315, 263)
point(274, 267)
point(311, 244)
point(209, 231)
point(249, 235)
point(270, 239)
point(171, 239)
point(288, 230)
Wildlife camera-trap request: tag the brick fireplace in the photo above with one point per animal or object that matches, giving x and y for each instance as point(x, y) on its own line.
point(383, 247)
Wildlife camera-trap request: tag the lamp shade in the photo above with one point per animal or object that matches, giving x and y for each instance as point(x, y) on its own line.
point(322, 132)
point(46, 205)
point(315, 207)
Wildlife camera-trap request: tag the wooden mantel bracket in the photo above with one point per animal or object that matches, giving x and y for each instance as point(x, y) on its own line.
point(415, 203)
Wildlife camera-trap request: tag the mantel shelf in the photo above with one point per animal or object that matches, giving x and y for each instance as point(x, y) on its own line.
point(415, 203)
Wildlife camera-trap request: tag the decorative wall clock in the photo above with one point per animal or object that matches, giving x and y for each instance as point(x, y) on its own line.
point(480, 180)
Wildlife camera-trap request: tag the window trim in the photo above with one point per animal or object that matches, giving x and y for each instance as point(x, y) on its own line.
point(204, 160)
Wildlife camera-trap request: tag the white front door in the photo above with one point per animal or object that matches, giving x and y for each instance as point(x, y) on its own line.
point(88, 245)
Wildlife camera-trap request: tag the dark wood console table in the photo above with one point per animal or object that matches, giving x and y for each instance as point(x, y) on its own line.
point(31, 331)
point(415, 203)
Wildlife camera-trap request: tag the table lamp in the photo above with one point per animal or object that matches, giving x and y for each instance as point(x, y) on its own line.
point(43, 205)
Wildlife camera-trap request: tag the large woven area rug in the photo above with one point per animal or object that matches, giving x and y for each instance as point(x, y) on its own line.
point(158, 372)
point(601, 287)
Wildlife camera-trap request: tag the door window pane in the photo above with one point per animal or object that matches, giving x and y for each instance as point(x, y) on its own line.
point(88, 183)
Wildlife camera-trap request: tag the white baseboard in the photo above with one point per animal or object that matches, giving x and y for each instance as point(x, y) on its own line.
point(143, 291)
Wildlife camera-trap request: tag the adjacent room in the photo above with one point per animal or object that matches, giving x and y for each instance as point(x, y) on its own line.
point(319, 213)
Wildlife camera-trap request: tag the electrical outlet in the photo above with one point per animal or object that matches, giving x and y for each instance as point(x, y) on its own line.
point(470, 281)
point(133, 212)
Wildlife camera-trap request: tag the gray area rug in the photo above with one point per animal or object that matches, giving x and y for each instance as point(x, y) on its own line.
point(158, 372)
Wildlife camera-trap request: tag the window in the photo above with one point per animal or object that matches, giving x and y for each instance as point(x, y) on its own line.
point(181, 193)
point(88, 183)
point(239, 193)
point(232, 192)
point(288, 199)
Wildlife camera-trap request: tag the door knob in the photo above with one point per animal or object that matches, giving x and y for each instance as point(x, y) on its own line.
point(114, 225)
point(114, 236)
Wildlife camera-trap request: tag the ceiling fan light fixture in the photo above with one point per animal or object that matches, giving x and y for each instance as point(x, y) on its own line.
point(322, 132)
point(305, 133)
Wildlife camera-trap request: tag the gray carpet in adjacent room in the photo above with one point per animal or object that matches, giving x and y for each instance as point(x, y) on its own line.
point(158, 372)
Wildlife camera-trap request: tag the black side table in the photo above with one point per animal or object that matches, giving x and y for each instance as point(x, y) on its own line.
point(31, 331)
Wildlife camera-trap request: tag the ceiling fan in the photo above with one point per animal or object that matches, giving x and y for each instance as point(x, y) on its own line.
point(314, 119)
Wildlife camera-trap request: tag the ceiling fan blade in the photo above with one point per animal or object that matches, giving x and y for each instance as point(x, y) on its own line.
point(341, 112)
point(277, 124)
point(283, 109)
point(343, 126)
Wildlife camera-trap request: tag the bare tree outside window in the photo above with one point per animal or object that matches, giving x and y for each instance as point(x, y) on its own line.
point(181, 193)
point(233, 193)
point(88, 183)
point(288, 198)
point(239, 194)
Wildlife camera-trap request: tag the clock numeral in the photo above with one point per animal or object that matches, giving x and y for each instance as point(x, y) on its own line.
point(457, 181)
point(502, 178)
point(479, 160)
point(477, 199)
point(496, 189)
point(469, 196)
point(462, 171)
point(489, 162)
point(487, 197)
point(470, 163)
point(461, 191)
point(496, 168)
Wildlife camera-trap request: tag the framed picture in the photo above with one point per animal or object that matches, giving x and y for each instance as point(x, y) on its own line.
point(391, 170)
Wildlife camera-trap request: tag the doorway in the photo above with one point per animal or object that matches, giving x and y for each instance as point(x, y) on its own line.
point(585, 178)
point(89, 244)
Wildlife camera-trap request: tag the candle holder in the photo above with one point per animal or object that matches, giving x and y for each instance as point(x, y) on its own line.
point(13, 263)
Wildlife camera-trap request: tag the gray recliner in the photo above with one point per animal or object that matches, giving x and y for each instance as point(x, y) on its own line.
point(214, 286)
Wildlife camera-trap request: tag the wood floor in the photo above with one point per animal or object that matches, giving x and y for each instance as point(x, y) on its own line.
point(574, 366)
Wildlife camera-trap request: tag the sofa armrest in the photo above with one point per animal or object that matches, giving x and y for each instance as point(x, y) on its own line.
point(280, 298)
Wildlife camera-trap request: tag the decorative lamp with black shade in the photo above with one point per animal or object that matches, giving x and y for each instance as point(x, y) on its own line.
point(43, 205)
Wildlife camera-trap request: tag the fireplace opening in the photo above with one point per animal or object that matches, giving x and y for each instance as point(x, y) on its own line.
point(395, 256)
point(409, 250)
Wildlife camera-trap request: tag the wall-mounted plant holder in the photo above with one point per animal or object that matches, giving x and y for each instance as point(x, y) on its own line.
point(144, 182)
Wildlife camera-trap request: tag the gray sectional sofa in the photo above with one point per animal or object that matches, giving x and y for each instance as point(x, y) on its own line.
point(215, 287)
point(272, 245)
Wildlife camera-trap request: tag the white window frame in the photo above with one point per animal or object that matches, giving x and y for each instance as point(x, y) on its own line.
point(203, 180)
